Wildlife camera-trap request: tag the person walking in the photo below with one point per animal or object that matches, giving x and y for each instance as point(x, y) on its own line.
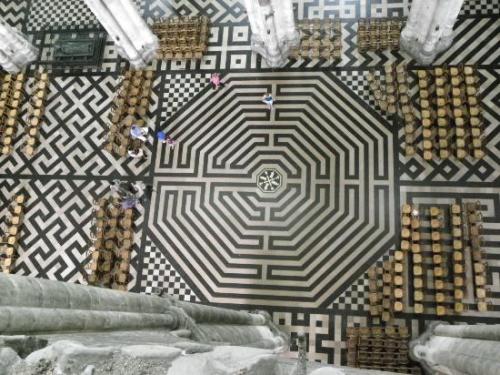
point(216, 81)
point(164, 138)
point(136, 154)
point(138, 132)
point(268, 100)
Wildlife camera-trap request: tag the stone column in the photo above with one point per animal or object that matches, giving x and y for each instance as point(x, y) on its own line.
point(23, 291)
point(25, 320)
point(35, 306)
point(470, 350)
point(429, 28)
point(15, 50)
point(132, 36)
point(273, 29)
point(214, 315)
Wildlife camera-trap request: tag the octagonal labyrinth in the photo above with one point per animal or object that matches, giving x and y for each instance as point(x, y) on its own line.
point(300, 244)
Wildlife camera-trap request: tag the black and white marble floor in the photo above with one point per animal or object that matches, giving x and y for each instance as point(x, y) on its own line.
point(284, 209)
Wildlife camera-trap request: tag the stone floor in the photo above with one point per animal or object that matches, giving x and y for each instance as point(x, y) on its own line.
point(299, 248)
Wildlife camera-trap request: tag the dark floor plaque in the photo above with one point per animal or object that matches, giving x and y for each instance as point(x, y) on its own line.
point(77, 49)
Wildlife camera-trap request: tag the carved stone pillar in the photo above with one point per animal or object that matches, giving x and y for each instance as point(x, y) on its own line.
point(273, 29)
point(15, 50)
point(459, 349)
point(132, 36)
point(429, 28)
point(31, 306)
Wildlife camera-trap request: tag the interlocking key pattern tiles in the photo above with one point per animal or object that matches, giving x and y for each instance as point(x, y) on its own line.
point(55, 235)
point(74, 129)
point(236, 244)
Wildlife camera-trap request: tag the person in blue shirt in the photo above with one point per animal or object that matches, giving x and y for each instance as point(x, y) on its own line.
point(161, 136)
point(139, 133)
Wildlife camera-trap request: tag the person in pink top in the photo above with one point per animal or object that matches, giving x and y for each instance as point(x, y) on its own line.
point(171, 142)
point(216, 81)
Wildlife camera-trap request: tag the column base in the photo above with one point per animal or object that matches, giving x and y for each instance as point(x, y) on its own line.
point(416, 49)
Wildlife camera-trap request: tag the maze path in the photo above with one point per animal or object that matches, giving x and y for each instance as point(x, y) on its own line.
point(301, 243)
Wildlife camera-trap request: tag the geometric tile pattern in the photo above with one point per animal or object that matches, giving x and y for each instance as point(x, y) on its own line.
point(219, 11)
point(179, 89)
point(60, 14)
point(63, 14)
point(291, 245)
point(475, 42)
point(14, 12)
point(389, 8)
point(480, 7)
point(229, 48)
point(224, 11)
point(355, 298)
point(159, 275)
point(326, 332)
point(55, 234)
point(323, 333)
point(69, 169)
point(357, 82)
point(73, 133)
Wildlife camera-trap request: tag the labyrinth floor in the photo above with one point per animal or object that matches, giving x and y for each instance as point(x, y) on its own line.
point(284, 209)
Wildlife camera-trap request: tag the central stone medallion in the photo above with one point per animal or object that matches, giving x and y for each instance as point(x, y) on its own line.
point(269, 180)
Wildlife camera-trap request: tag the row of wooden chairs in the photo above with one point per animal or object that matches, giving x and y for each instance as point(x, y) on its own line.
point(11, 98)
point(394, 332)
point(395, 369)
point(439, 270)
point(113, 235)
point(319, 39)
point(474, 219)
point(442, 114)
point(400, 75)
point(458, 257)
point(427, 132)
point(129, 108)
point(385, 291)
point(318, 27)
point(448, 89)
point(473, 111)
point(411, 240)
point(188, 52)
point(181, 22)
point(182, 38)
point(380, 95)
point(10, 243)
point(332, 51)
point(36, 112)
point(445, 293)
point(378, 347)
point(378, 35)
point(375, 296)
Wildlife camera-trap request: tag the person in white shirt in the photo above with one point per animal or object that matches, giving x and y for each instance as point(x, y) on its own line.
point(268, 99)
point(138, 153)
